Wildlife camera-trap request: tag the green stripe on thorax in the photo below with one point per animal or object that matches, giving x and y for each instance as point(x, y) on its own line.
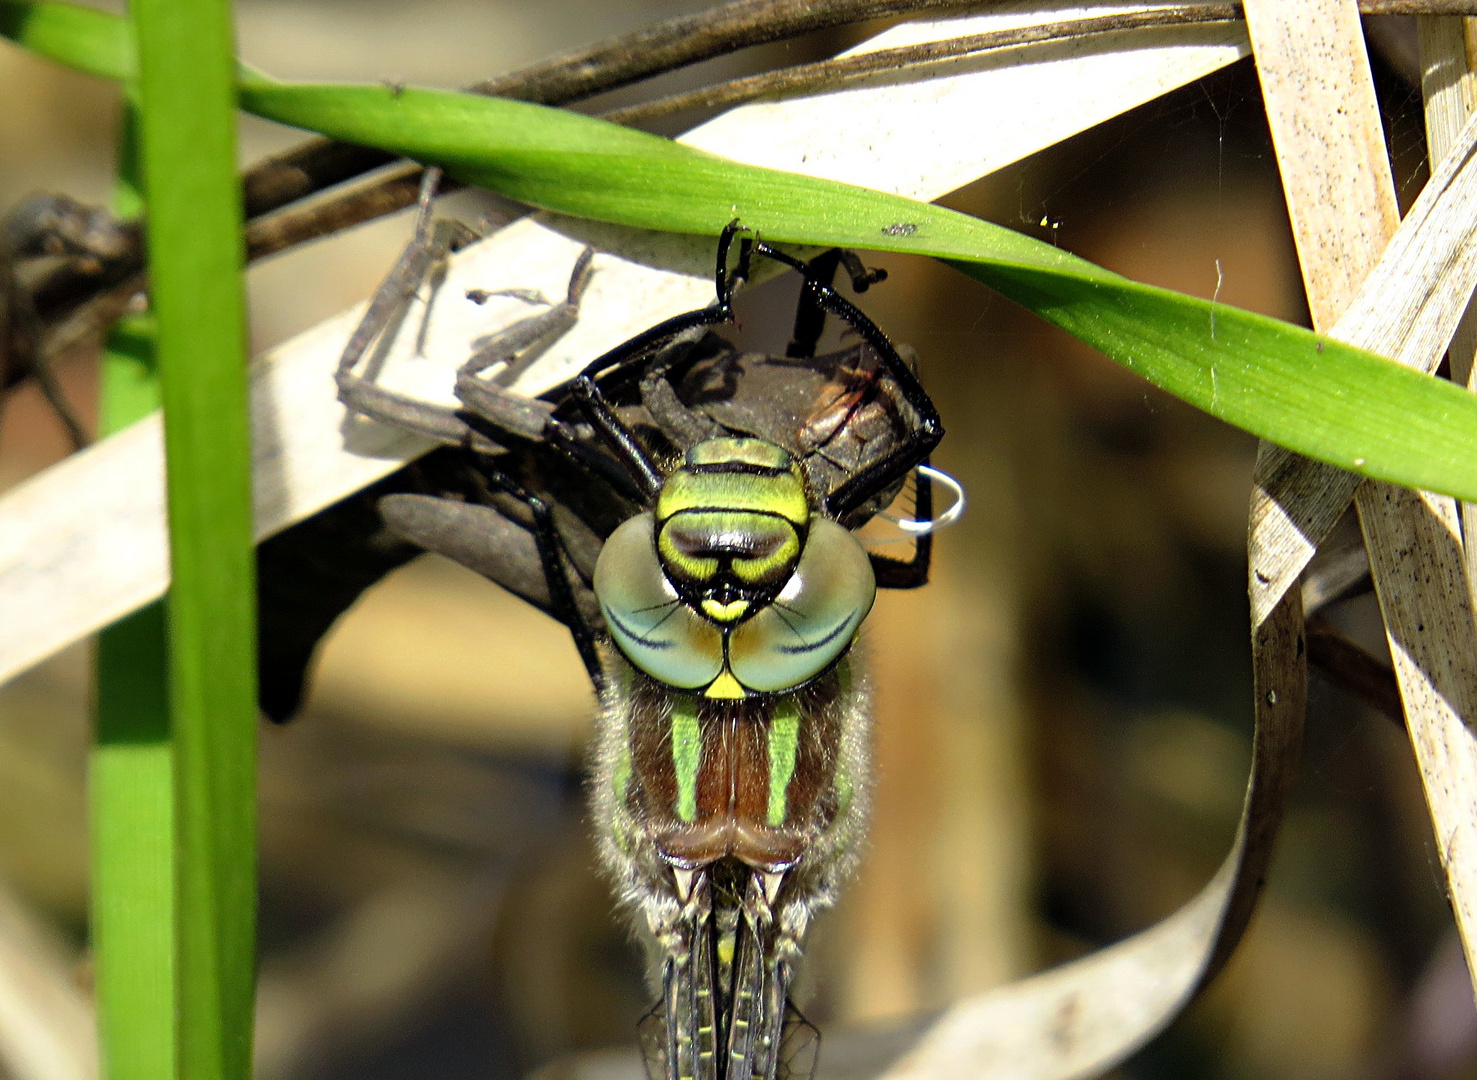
point(784, 745)
point(687, 753)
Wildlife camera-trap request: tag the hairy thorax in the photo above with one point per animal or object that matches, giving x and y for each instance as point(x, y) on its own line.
point(768, 781)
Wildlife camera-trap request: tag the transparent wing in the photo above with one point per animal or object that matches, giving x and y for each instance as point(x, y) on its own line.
point(725, 1013)
point(800, 1047)
point(652, 1031)
point(679, 1035)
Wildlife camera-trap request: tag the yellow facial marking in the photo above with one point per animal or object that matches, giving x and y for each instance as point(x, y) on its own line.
point(725, 612)
point(725, 687)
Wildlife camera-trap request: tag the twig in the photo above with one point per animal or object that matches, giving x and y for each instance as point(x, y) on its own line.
point(827, 73)
point(608, 65)
point(1351, 667)
point(682, 42)
point(314, 166)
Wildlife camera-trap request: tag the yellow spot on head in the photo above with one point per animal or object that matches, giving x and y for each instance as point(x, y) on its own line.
point(725, 687)
point(725, 612)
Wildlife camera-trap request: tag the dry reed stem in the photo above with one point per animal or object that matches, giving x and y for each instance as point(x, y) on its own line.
point(1449, 87)
point(1407, 309)
point(1329, 140)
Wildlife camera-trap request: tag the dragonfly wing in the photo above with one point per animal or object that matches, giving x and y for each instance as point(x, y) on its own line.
point(800, 1047)
point(679, 1034)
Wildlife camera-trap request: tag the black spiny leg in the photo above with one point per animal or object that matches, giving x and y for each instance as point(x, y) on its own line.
point(919, 443)
point(810, 323)
point(597, 410)
point(913, 574)
point(552, 556)
point(810, 317)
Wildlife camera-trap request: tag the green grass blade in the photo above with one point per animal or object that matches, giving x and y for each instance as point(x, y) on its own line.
point(188, 126)
point(80, 37)
point(1319, 397)
point(1278, 381)
point(130, 774)
point(131, 790)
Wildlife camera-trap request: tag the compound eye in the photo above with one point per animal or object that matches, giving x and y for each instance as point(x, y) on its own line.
point(650, 624)
point(813, 619)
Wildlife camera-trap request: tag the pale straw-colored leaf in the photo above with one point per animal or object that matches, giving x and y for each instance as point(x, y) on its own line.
point(1407, 309)
point(1449, 87)
point(46, 1020)
point(1330, 147)
point(1449, 765)
point(1081, 1019)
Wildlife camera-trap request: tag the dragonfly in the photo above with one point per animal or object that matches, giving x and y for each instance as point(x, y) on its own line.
point(689, 511)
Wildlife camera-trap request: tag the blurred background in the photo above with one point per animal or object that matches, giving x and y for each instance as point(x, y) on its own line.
point(1063, 716)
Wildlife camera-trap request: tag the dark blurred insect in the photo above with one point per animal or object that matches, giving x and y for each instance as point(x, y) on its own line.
point(53, 248)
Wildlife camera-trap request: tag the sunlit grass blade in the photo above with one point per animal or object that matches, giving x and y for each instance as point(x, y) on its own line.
point(130, 781)
point(1314, 395)
point(1322, 398)
point(81, 37)
point(187, 126)
point(131, 770)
